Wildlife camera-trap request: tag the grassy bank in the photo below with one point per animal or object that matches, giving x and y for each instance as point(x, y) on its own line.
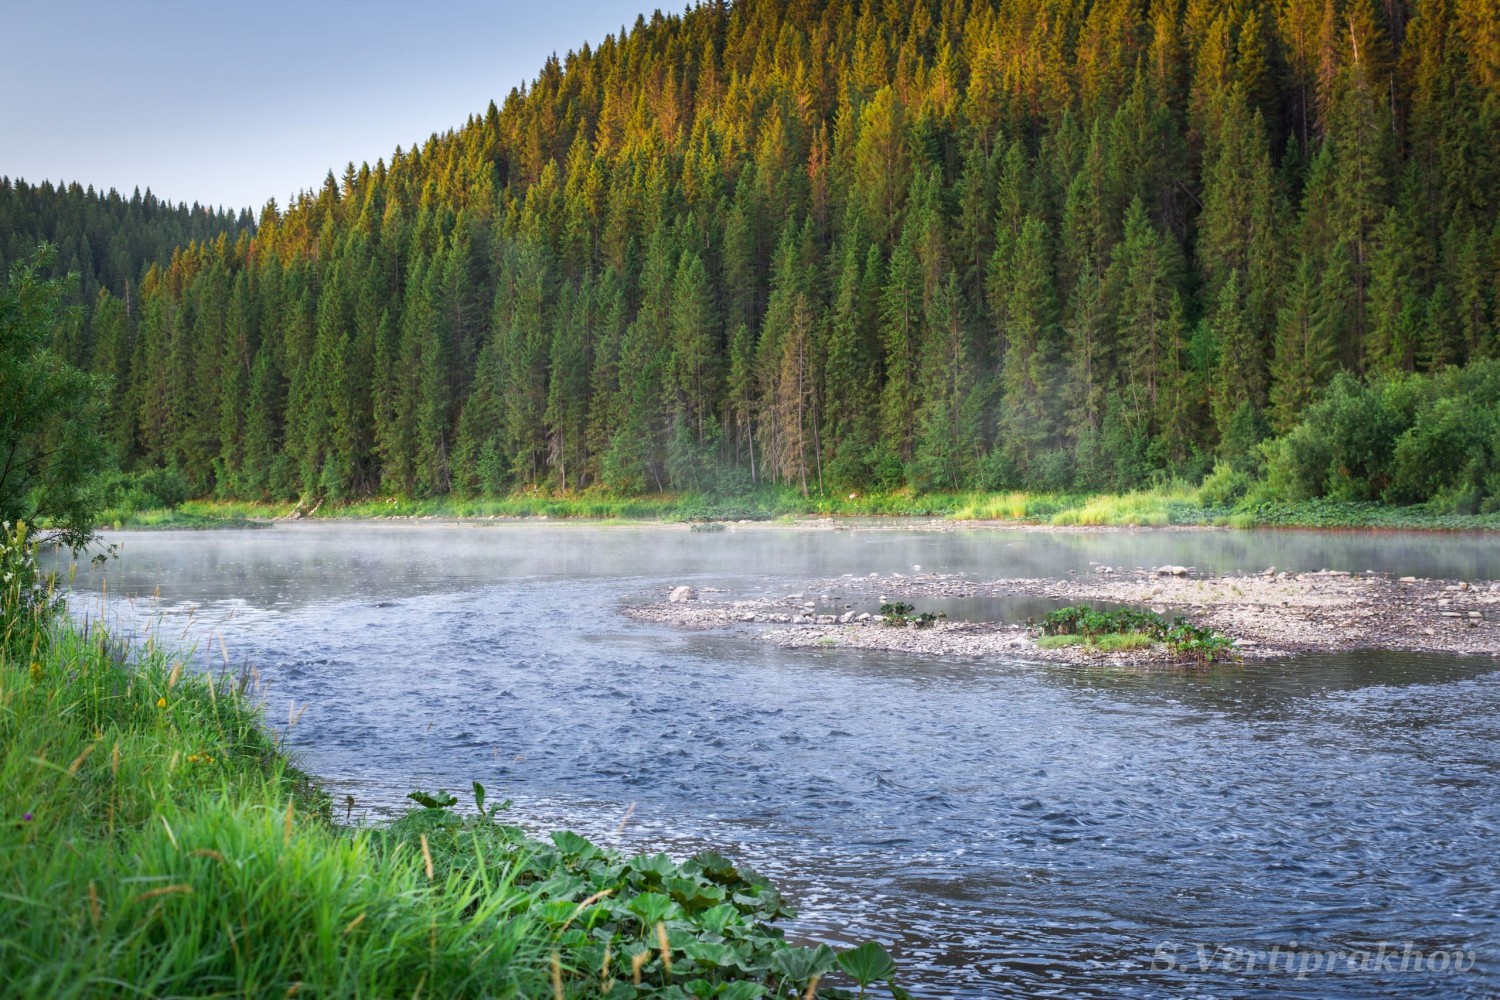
point(155, 841)
point(1178, 505)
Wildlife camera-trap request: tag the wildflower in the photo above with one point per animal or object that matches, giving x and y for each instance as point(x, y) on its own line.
point(161, 703)
point(26, 817)
point(36, 671)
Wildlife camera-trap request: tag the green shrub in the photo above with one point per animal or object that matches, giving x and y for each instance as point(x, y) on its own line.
point(1224, 487)
point(1127, 629)
point(899, 614)
point(1401, 439)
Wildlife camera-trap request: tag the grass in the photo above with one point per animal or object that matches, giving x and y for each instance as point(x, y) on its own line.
point(1175, 504)
point(1121, 642)
point(1142, 509)
point(1114, 642)
point(155, 841)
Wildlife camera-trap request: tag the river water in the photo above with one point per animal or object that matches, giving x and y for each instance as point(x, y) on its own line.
point(1008, 828)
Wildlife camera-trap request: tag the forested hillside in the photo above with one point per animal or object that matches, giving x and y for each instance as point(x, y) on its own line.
point(945, 243)
point(107, 240)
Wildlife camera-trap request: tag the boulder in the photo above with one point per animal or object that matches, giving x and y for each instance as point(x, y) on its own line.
point(681, 594)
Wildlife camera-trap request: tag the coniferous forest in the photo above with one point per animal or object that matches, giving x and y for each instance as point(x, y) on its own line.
point(1043, 244)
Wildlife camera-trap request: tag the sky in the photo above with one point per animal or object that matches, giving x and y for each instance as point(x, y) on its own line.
point(233, 104)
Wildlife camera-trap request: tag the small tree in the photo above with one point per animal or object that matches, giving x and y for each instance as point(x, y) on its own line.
point(51, 448)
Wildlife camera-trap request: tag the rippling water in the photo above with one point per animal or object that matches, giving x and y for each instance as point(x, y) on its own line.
point(1010, 829)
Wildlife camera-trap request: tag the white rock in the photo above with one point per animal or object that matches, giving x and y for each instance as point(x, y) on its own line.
point(846, 617)
point(864, 617)
point(681, 594)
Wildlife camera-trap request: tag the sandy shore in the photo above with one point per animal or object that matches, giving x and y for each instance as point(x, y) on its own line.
point(1268, 614)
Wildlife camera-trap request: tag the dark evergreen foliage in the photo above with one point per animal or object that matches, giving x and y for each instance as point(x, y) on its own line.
point(834, 243)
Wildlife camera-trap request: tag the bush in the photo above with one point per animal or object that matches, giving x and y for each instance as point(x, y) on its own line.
point(29, 601)
point(1401, 439)
point(1224, 487)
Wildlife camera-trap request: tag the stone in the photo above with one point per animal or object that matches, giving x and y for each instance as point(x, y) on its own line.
point(864, 617)
point(846, 617)
point(1408, 579)
point(682, 594)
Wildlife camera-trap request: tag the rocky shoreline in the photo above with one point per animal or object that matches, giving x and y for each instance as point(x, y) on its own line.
point(1268, 614)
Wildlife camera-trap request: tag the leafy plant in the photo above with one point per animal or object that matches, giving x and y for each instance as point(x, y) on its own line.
point(869, 963)
point(442, 800)
point(644, 926)
point(899, 614)
point(1127, 628)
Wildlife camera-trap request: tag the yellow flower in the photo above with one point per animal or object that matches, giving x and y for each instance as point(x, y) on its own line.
point(36, 671)
point(161, 703)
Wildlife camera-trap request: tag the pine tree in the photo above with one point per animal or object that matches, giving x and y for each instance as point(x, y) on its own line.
point(1028, 415)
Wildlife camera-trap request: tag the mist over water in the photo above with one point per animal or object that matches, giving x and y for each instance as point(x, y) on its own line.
point(1010, 828)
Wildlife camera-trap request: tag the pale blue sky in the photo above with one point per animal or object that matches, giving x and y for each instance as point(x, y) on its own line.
point(232, 104)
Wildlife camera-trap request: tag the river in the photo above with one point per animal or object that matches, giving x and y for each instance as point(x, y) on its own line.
point(1008, 828)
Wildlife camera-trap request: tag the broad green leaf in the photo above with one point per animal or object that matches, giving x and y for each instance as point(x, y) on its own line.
point(742, 991)
point(869, 963)
point(801, 964)
point(653, 908)
point(574, 846)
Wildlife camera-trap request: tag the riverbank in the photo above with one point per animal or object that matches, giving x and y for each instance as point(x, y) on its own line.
point(1268, 615)
point(1179, 506)
point(153, 837)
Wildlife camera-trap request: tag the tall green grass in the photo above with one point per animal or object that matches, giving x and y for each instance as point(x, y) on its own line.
point(154, 841)
point(1151, 508)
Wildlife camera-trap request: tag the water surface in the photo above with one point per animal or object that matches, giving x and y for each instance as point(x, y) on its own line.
point(1009, 828)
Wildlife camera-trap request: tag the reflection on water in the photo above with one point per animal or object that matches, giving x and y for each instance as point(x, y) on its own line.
point(1013, 829)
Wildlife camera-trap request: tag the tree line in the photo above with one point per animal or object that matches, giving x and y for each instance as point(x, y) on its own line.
point(947, 243)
